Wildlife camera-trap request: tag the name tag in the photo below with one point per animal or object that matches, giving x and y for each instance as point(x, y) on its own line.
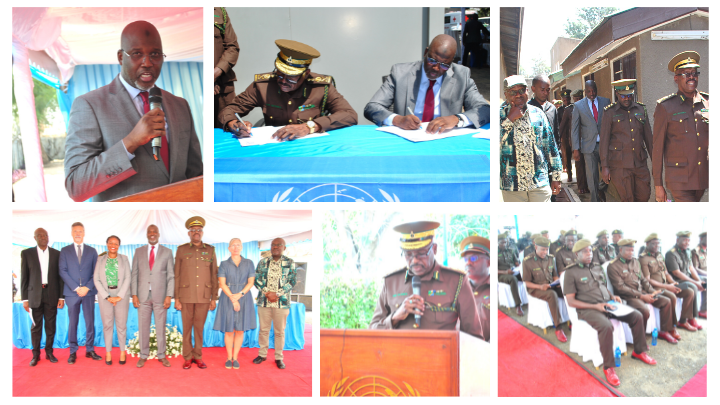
point(625, 271)
point(584, 279)
point(398, 295)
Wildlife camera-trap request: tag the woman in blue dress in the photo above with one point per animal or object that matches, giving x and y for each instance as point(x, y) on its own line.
point(236, 312)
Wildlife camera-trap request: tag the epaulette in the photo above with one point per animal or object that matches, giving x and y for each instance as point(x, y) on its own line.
point(263, 77)
point(672, 250)
point(184, 244)
point(570, 266)
point(321, 79)
point(639, 103)
point(103, 253)
point(461, 272)
point(704, 94)
point(395, 272)
point(609, 106)
point(551, 255)
point(205, 245)
point(666, 98)
point(556, 250)
point(613, 260)
point(525, 258)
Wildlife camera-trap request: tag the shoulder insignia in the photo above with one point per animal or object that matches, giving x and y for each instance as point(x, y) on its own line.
point(639, 103)
point(103, 253)
point(525, 258)
point(610, 105)
point(395, 272)
point(322, 80)
point(672, 250)
point(551, 255)
point(461, 272)
point(264, 76)
point(613, 260)
point(184, 244)
point(666, 98)
point(704, 94)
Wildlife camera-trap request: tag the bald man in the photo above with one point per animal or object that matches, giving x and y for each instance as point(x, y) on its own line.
point(108, 150)
point(433, 90)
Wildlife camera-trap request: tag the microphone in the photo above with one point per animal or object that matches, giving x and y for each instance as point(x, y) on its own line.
point(156, 102)
point(416, 291)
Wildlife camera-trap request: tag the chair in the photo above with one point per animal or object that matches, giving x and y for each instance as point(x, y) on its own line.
point(652, 319)
point(505, 297)
point(584, 339)
point(539, 312)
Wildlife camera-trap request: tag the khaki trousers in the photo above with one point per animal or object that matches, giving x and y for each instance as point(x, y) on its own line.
point(278, 317)
point(632, 184)
point(662, 303)
point(193, 319)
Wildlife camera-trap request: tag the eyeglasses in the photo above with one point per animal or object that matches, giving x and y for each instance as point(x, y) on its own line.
point(624, 96)
point(471, 258)
point(689, 75)
point(286, 78)
point(277, 245)
point(433, 62)
point(155, 57)
point(193, 230)
point(513, 93)
point(420, 256)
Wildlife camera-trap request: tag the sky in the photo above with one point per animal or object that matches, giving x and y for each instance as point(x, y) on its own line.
point(550, 21)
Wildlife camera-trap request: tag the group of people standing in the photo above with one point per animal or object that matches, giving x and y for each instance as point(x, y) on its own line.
point(76, 275)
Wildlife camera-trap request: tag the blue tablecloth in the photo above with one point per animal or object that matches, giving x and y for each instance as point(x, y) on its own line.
point(294, 330)
point(353, 164)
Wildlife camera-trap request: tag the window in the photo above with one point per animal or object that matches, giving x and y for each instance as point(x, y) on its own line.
point(590, 76)
point(624, 67)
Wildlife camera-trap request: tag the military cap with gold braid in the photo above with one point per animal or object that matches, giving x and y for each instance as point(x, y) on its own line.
point(475, 244)
point(651, 237)
point(684, 233)
point(626, 242)
point(624, 86)
point(683, 60)
point(294, 57)
point(580, 245)
point(566, 93)
point(601, 233)
point(195, 221)
point(542, 241)
point(416, 235)
point(578, 93)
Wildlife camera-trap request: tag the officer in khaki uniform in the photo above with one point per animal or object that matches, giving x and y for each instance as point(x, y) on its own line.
point(654, 270)
point(625, 135)
point(530, 249)
point(226, 56)
point(475, 250)
point(507, 260)
point(292, 97)
point(681, 134)
point(445, 294)
point(617, 235)
point(679, 264)
point(602, 251)
point(699, 256)
point(196, 289)
point(564, 255)
point(538, 272)
point(629, 284)
point(558, 243)
point(585, 288)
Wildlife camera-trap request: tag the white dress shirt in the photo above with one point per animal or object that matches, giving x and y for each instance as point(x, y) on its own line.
point(420, 100)
point(44, 256)
point(138, 102)
point(597, 106)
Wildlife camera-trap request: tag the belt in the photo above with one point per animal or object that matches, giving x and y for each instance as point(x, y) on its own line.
point(44, 285)
point(112, 288)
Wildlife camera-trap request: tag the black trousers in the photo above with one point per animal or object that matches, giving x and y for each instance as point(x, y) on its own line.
point(477, 50)
point(47, 311)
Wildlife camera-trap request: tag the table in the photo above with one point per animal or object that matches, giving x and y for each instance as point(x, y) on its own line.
point(21, 324)
point(352, 164)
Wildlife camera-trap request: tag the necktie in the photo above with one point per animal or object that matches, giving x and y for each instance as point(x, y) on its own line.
point(429, 108)
point(152, 257)
point(594, 111)
point(79, 254)
point(164, 147)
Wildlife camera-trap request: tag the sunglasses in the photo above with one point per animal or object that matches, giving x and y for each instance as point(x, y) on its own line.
point(690, 75)
point(286, 78)
point(513, 93)
point(471, 258)
point(433, 62)
point(625, 96)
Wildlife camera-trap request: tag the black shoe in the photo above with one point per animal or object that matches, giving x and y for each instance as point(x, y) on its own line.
point(280, 364)
point(72, 358)
point(93, 355)
point(34, 360)
point(259, 360)
point(109, 363)
point(51, 357)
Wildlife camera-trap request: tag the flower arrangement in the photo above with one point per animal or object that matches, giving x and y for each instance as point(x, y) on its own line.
point(173, 343)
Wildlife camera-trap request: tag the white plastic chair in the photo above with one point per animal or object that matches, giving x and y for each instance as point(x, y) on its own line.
point(505, 297)
point(539, 312)
point(584, 339)
point(652, 319)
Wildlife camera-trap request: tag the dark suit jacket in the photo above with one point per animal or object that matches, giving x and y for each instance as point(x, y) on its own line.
point(96, 163)
point(78, 275)
point(31, 277)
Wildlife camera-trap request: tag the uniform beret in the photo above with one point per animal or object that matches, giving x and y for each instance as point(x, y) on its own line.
point(535, 236)
point(626, 242)
point(651, 237)
point(684, 233)
point(502, 236)
point(580, 245)
point(617, 232)
point(571, 232)
point(702, 235)
point(542, 241)
point(601, 233)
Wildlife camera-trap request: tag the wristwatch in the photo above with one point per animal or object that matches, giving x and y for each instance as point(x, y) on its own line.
point(461, 121)
point(310, 124)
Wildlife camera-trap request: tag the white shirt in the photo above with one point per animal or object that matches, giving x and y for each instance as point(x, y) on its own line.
point(590, 105)
point(44, 257)
point(420, 100)
point(139, 104)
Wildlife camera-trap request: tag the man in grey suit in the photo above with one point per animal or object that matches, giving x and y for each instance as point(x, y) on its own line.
point(153, 284)
point(586, 118)
point(108, 153)
point(433, 90)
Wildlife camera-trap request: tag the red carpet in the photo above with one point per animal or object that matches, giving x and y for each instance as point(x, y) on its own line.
point(696, 387)
point(551, 372)
point(94, 378)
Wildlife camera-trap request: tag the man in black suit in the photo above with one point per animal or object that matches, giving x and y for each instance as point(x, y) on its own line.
point(41, 288)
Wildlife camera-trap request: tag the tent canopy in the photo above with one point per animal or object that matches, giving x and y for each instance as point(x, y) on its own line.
point(131, 225)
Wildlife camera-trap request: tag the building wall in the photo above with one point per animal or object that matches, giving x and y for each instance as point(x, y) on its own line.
point(560, 50)
point(354, 44)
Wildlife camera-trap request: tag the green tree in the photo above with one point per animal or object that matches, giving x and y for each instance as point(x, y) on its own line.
point(587, 19)
point(45, 102)
point(540, 67)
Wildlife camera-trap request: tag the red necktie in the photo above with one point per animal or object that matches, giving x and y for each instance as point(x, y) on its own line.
point(594, 111)
point(429, 109)
point(164, 147)
point(152, 257)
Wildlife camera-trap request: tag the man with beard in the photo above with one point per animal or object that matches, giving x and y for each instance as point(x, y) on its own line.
point(602, 251)
point(108, 153)
point(625, 138)
point(475, 251)
point(564, 256)
point(445, 295)
point(679, 264)
point(507, 259)
point(538, 273)
point(681, 128)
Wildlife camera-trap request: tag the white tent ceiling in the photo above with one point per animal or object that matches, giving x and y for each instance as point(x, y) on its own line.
point(131, 225)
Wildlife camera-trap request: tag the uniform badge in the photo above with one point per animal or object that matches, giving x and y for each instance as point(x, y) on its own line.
point(440, 292)
point(306, 107)
point(431, 293)
point(584, 279)
point(397, 295)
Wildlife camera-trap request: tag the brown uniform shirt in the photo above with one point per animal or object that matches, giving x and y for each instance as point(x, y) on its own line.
point(506, 259)
point(588, 283)
point(627, 278)
point(296, 107)
point(226, 50)
point(653, 267)
point(196, 274)
point(554, 247)
point(539, 271)
point(699, 258)
point(448, 297)
point(600, 255)
point(624, 135)
point(563, 258)
point(482, 300)
point(681, 141)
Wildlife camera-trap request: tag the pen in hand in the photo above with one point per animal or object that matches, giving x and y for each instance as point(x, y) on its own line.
point(243, 122)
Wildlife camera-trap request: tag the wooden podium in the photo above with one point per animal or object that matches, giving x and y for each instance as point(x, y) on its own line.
point(190, 190)
point(389, 363)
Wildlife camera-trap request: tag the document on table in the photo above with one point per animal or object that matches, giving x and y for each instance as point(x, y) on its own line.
point(620, 308)
point(263, 136)
point(419, 135)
